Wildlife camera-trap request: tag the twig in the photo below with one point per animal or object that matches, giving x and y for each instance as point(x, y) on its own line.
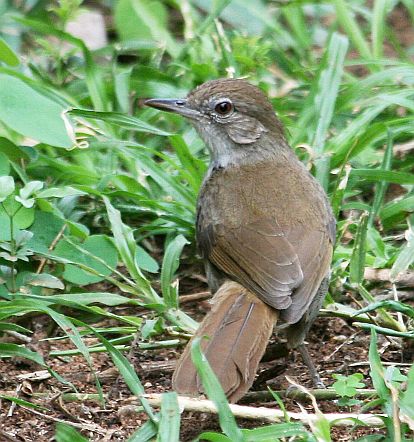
point(8, 436)
point(51, 247)
point(81, 426)
point(395, 297)
point(387, 364)
point(346, 342)
point(403, 149)
point(13, 404)
point(321, 394)
point(405, 278)
point(200, 296)
point(267, 414)
point(66, 397)
point(19, 336)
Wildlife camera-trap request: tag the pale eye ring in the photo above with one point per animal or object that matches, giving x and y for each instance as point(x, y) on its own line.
point(224, 107)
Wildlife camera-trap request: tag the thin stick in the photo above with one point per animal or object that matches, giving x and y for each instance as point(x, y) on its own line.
point(51, 247)
point(267, 414)
point(81, 426)
point(405, 278)
point(200, 296)
point(319, 393)
point(8, 436)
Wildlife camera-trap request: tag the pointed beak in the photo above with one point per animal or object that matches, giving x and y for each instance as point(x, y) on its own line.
point(178, 106)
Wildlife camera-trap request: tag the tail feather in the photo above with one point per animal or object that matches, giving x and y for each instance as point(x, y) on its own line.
point(239, 326)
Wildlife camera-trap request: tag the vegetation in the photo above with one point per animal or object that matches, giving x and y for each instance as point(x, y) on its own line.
point(97, 193)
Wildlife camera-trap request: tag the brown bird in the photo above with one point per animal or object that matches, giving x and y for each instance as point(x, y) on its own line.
point(264, 228)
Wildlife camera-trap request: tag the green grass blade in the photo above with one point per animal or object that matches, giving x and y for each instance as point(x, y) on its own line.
point(195, 167)
point(215, 393)
point(66, 433)
point(169, 428)
point(381, 187)
point(273, 432)
point(126, 245)
point(384, 175)
point(377, 373)
point(406, 254)
point(351, 27)
point(144, 434)
point(94, 78)
point(407, 400)
point(170, 265)
point(357, 264)
point(326, 94)
point(127, 372)
point(118, 119)
point(378, 27)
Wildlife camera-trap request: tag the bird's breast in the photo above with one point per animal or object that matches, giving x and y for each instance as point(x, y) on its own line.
point(283, 191)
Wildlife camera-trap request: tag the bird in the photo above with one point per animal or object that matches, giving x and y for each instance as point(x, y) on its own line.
point(264, 229)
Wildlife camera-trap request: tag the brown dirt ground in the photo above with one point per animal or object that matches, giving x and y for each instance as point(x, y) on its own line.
point(330, 343)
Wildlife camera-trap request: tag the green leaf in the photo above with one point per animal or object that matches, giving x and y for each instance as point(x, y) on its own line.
point(14, 153)
point(377, 371)
point(45, 229)
point(252, 17)
point(6, 187)
point(7, 54)
point(270, 433)
point(28, 190)
point(381, 187)
point(17, 351)
point(215, 393)
point(94, 80)
point(169, 428)
point(213, 437)
point(60, 192)
point(383, 175)
point(144, 433)
point(126, 246)
point(118, 119)
point(22, 218)
point(109, 299)
point(17, 104)
point(127, 372)
point(357, 264)
point(98, 246)
point(378, 27)
point(143, 19)
point(146, 261)
point(347, 385)
point(21, 402)
point(326, 94)
point(345, 17)
point(170, 264)
point(196, 168)
point(407, 400)
point(44, 280)
point(66, 433)
point(4, 165)
point(405, 256)
point(13, 327)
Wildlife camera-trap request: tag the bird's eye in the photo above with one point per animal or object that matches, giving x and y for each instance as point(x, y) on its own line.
point(224, 107)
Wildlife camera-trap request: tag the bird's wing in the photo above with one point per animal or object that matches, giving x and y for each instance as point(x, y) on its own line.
point(258, 255)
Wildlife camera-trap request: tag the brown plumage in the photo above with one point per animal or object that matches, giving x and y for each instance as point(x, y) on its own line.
point(264, 223)
point(235, 343)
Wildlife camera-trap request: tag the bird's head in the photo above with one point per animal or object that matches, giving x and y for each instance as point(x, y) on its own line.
point(228, 114)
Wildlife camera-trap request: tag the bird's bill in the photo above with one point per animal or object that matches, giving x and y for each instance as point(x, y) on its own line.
point(178, 106)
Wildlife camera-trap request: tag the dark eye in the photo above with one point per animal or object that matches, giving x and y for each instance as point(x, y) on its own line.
point(224, 107)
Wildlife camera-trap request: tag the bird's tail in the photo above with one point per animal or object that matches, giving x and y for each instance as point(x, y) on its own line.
point(238, 328)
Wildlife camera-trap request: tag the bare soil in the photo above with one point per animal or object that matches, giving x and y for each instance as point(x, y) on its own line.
point(335, 346)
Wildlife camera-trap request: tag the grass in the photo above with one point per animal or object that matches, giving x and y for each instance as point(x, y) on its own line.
point(96, 189)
